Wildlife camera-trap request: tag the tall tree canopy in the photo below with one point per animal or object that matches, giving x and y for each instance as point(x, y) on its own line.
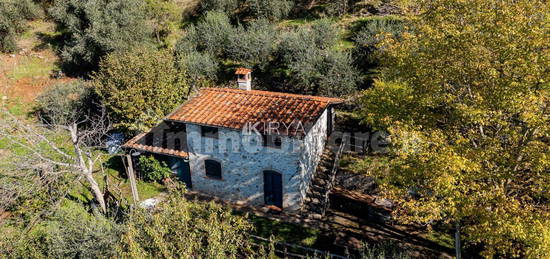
point(139, 87)
point(95, 28)
point(465, 96)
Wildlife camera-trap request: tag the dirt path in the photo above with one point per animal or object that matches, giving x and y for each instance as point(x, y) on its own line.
point(25, 74)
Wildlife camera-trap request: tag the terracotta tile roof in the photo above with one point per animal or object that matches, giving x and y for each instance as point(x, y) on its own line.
point(157, 141)
point(242, 71)
point(235, 108)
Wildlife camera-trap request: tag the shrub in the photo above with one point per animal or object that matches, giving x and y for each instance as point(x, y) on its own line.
point(28, 9)
point(66, 102)
point(13, 18)
point(139, 87)
point(153, 170)
point(272, 10)
point(178, 228)
point(338, 7)
point(93, 29)
point(71, 232)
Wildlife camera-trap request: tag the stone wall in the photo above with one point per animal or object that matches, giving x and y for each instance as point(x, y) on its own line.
point(243, 165)
point(314, 144)
point(243, 159)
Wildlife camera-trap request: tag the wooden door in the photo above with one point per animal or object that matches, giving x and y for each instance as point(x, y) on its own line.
point(182, 169)
point(273, 188)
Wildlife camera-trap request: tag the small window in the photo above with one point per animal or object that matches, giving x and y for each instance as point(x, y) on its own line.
point(177, 144)
point(149, 139)
point(209, 132)
point(177, 127)
point(272, 141)
point(213, 169)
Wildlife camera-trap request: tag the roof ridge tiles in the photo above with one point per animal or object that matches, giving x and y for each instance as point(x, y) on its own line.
point(277, 94)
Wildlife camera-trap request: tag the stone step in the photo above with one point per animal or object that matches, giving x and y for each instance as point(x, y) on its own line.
point(316, 189)
point(319, 182)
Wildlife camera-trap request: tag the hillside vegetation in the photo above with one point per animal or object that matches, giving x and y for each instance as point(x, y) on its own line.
point(462, 88)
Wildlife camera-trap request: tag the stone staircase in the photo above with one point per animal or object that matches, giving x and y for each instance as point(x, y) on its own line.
point(315, 202)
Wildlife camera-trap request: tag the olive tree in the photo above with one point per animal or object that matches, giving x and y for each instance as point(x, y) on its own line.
point(225, 6)
point(323, 72)
point(253, 45)
point(93, 29)
point(211, 34)
point(13, 19)
point(272, 10)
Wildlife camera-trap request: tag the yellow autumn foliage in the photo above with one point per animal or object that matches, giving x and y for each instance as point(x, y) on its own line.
point(465, 95)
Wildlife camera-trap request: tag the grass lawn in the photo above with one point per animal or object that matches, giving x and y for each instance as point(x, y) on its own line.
point(285, 232)
point(296, 22)
point(114, 169)
point(441, 238)
point(32, 67)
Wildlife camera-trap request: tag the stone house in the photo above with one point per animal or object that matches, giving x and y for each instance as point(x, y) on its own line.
point(254, 147)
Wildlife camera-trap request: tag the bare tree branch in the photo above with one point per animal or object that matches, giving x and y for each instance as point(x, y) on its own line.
point(44, 155)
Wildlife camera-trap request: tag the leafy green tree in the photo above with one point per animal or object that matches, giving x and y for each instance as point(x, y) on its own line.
point(93, 29)
point(338, 7)
point(13, 19)
point(303, 60)
point(371, 32)
point(139, 87)
point(324, 33)
point(188, 43)
point(465, 95)
point(153, 170)
point(179, 228)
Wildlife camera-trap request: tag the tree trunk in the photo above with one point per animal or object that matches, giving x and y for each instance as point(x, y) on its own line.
point(97, 192)
point(457, 241)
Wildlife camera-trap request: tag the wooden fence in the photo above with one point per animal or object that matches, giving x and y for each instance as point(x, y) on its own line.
point(286, 250)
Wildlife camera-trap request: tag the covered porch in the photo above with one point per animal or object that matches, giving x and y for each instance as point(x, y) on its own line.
point(167, 142)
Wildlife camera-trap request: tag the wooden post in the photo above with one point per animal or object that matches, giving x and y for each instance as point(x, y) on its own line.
point(132, 178)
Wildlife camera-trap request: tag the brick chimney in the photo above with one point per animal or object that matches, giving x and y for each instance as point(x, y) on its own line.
point(244, 78)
